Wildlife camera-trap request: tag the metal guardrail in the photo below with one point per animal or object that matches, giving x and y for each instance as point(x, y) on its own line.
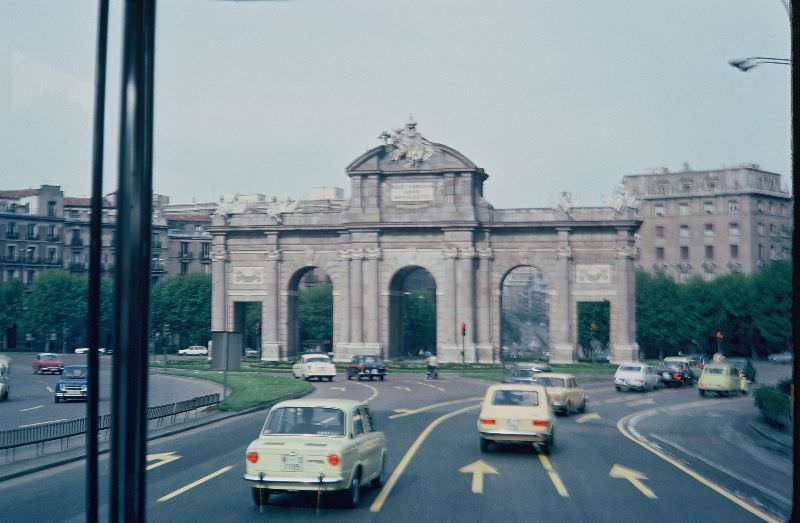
point(40, 434)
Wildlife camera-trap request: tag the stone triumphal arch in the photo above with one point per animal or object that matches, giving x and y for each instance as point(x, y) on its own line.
point(417, 204)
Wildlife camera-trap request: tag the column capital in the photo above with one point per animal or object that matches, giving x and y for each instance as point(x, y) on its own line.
point(467, 253)
point(485, 253)
point(345, 255)
point(626, 251)
point(450, 252)
point(273, 255)
point(357, 254)
point(374, 254)
point(564, 252)
point(220, 256)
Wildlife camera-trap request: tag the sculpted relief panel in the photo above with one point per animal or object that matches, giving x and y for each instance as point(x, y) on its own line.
point(248, 275)
point(593, 273)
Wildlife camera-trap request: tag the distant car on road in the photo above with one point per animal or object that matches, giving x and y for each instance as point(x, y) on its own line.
point(47, 363)
point(251, 353)
point(85, 350)
point(639, 376)
point(73, 383)
point(745, 367)
point(675, 373)
point(314, 365)
point(565, 395)
point(516, 413)
point(194, 350)
point(5, 370)
point(695, 363)
point(366, 366)
point(526, 372)
point(784, 357)
point(722, 378)
point(316, 444)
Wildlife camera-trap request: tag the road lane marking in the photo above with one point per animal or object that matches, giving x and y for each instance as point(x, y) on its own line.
point(161, 459)
point(43, 423)
point(409, 412)
point(554, 477)
point(398, 387)
point(680, 466)
point(193, 484)
point(649, 401)
point(339, 388)
point(634, 476)
point(429, 385)
point(587, 417)
point(401, 467)
point(615, 400)
point(32, 408)
point(478, 469)
point(49, 389)
point(370, 387)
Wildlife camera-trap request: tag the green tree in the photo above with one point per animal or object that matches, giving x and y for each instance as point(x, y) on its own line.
point(660, 330)
point(735, 295)
point(183, 303)
point(57, 305)
point(11, 303)
point(593, 313)
point(771, 309)
point(315, 312)
point(419, 322)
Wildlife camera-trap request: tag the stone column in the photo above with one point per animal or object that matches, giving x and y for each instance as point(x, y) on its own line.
point(446, 322)
point(485, 351)
point(219, 287)
point(371, 301)
point(623, 308)
point(356, 297)
point(466, 303)
point(562, 346)
point(270, 310)
point(341, 310)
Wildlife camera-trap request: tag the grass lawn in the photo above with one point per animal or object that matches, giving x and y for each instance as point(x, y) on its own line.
point(247, 389)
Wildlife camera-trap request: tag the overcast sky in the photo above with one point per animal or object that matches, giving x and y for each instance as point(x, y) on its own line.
point(278, 97)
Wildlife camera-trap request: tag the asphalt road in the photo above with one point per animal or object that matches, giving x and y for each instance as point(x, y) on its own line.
point(31, 395)
point(594, 473)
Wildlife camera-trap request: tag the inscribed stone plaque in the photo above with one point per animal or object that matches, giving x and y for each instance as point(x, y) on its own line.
point(412, 192)
point(248, 275)
point(593, 273)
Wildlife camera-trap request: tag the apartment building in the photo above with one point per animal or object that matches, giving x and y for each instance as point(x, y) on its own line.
point(711, 222)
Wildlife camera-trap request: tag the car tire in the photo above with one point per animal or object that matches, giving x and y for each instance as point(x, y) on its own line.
point(583, 406)
point(352, 495)
point(378, 481)
point(619, 389)
point(56, 400)
point(485, 445)
point(568, 409)
point(382, 378)
point(260, 496)
point(349, 376)
point(702, 393)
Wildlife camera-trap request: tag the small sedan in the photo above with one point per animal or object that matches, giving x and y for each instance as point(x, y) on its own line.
point(47, 363)
point(722, 378)
point(675, 373)
point(519, 414)
point(194, 350)
point(315, 365)
point(73, 384)
point(635, 376)
point(366, 367)
point(562, 389)
point(317, 445)
point(745, 367)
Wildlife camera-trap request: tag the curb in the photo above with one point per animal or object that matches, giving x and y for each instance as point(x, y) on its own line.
point(782, 445)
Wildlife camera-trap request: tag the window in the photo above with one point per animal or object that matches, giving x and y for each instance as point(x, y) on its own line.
point(29, 276)
point(686, 186)
point(11, 252)
point(659, 231)
point(684, 252)
point(32, 231)
point(771, 208)
point(709, 252)
point(734, 251)
point(708, 230)
point(761, 229)
point(661, 188)
point(760, 252)
point(366, 419)
point(184, 248)
point(658, 210)
point(358, 426)
point(52, 232)
point(659, 253)
point(708, 207)
point(31, 254)
point(683, 209)
point(733, 206)
point(772, 228)
point(760, 206)
point(184, 268)
point(11, 230)
point(51, 208)
point(733, 229)
point(684, 231)
point(206, 249)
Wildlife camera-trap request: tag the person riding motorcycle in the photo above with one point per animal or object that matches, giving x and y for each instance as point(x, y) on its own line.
point(433, 366)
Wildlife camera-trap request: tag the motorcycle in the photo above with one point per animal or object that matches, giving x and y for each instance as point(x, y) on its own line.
point(433, 373)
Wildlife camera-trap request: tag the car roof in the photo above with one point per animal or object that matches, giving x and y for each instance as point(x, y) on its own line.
point(718, 364)
point(336, 403)
point(80, 366)
point(515, 386)
point(563, 375)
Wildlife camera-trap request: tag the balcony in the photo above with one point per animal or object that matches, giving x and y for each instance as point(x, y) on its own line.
point(33, 236)
point(186, 256)
point(76, 243)
point(10, 259)
point(12, 235)
point(53, 237)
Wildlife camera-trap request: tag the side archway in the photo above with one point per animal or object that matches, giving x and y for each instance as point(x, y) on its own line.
point(412, 313)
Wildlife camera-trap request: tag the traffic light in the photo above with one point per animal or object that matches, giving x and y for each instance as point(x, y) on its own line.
point(463, 328)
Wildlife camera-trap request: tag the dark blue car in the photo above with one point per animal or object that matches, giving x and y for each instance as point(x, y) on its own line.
point(73, 383)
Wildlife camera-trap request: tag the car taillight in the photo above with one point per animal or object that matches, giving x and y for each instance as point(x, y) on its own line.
point(333, 459)
point(556, 398)
point(488, 421)
point(541, 423)
point(676, 376)
point(252, 457)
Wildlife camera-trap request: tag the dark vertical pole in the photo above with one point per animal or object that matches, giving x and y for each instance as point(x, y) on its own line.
point(129, 399)
point(95, 246)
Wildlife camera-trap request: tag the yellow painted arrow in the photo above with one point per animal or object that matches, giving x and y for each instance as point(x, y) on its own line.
point(648, 401)
point(634, 476)
point(587, 417)
point(161, 459)
point(407, 389)
point(339, 388)
point(478, 469)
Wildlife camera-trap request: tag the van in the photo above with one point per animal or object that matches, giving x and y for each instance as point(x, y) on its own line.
point(5, 370)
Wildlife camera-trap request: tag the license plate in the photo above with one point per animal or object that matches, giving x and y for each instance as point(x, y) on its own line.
point(292, 463)
point(513, 424)
point(374, 371)
point(665, 374)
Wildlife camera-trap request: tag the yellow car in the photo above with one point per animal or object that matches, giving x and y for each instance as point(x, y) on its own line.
point(512, 413)
point(562, 389)
point(722, 378)
point(316, 445)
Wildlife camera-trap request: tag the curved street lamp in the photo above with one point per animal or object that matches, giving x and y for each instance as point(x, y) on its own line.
point(745, 64)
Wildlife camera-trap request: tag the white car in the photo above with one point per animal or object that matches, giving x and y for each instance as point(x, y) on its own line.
point(638, 376)
point(194, 350)
point(82, 350)
point(314, 365)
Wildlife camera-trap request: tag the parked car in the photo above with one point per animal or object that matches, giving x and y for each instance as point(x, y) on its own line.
point(316, 444)
point(314, 365)
point(565, 395)
point(85, 350)
point(526, 372)
point(785, 357)
point(5, 371)
point(194, 350)
point(675, 373)
point(745, 367)
point(695, 363)
point(722, 378)
point(639, 376)
point(73, 383)
point(367, 366)
point(47, 363)
point(516, 413)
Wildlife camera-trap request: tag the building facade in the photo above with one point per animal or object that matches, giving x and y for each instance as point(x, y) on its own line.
point(713, 222)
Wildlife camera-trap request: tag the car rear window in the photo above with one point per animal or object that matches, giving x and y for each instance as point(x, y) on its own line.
point(715, 370)
point(520, 398)
point(371, 359)
point(521, 373)
point(630, 368)
point(318, 359)
point(320, 421)
point(75, 372)
point(551, 382)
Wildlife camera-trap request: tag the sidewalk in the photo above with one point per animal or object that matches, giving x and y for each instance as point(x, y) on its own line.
point(774, 438)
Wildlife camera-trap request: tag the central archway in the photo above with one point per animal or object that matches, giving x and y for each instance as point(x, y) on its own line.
point(412, 313)
point(525, 313)
point(310, 311)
